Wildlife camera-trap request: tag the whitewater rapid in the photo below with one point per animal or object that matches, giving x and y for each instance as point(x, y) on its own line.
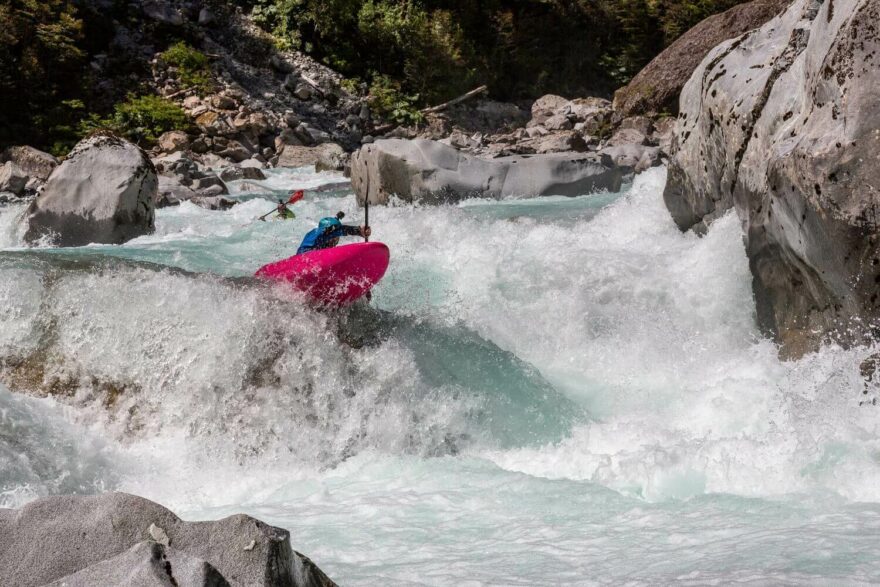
point(544, 391)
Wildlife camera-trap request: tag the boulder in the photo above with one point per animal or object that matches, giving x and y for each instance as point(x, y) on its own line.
point(234, 151)
point(104, 192)
point(428, 171)
point(171, 192)
point(172, 141)
point(558, 122)
point(627, 136)
point(105, 539)
point(545, 107)
point(35, 163)
point(210, 181)
point(783, 124)
point(656, 88)
point(214, 202)
point(294, 156)
point(237, 173)
point(633, 158)
point(13, 178)
point(642, 124)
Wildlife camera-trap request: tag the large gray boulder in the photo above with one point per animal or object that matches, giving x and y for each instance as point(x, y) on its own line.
point(102, 193)
point(421, 170)
point(783, 124)
point(99, 540)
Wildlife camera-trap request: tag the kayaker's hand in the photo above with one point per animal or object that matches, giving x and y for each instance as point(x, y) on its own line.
point(366, 231)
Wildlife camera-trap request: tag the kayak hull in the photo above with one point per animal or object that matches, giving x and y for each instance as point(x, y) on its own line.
point(332, 277)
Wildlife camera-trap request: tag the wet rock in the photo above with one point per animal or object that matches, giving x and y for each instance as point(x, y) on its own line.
point(93, 540)
point(210, 181)
point(171, 192)
point(428, 171)
point(238, 173)
point(213, 202)
point(104, 192)
point(633, 158)
point(783, 124)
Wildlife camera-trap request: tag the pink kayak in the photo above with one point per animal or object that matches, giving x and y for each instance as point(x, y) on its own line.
point(334, 277)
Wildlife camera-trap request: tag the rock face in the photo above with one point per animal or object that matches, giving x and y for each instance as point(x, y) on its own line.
point(121, 539)
point(656, 88)
point(427, 171)
point(102, 193)
point(784, 125)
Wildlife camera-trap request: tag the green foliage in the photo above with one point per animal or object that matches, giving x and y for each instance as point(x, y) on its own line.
point(388, 101)
point(141, 119)
point(193, 67)
point(41, 55)
point(437, 49)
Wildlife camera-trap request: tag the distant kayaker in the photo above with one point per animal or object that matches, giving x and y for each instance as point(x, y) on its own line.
point(327, 234)
point(284, 212)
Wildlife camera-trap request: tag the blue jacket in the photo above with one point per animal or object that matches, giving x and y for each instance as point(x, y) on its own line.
point(316, 239)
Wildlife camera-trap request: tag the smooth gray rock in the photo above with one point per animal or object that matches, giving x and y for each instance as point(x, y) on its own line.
point(56, 537)
point(427, 171)
point(33, 162)
point(783, 124)
point(147, 564)
point(171, 192)
point(13, 178)
point(636, 158)
point(104, 192)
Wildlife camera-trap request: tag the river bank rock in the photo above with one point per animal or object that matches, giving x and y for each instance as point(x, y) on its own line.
point(428, 171)
point(104, 192)
point(783, 124)
point(110, 538)
point(656, 88)
point(35, 163)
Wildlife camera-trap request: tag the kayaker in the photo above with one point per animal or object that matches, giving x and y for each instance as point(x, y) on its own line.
point(327, 234)
point(284, 212)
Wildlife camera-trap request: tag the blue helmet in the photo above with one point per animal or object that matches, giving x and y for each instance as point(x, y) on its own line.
point(329, 224)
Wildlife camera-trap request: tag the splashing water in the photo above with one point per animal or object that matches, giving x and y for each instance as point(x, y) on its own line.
point(544, 391)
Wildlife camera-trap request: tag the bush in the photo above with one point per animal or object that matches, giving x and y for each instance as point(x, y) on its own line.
point(142, 119)
point(193, 67)
point(388, 101)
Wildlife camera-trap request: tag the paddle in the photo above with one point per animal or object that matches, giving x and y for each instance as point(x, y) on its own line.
point(293, 200)
point(366, 218)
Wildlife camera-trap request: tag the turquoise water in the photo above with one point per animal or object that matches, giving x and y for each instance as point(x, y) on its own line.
point(545, 391)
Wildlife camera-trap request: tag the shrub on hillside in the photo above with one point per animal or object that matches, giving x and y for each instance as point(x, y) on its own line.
point(142, 119)
point(193, 66)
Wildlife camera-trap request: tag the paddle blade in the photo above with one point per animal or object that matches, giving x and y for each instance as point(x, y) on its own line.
point(296, 197)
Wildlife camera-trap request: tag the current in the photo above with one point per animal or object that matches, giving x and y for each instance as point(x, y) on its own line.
point(542, 391)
